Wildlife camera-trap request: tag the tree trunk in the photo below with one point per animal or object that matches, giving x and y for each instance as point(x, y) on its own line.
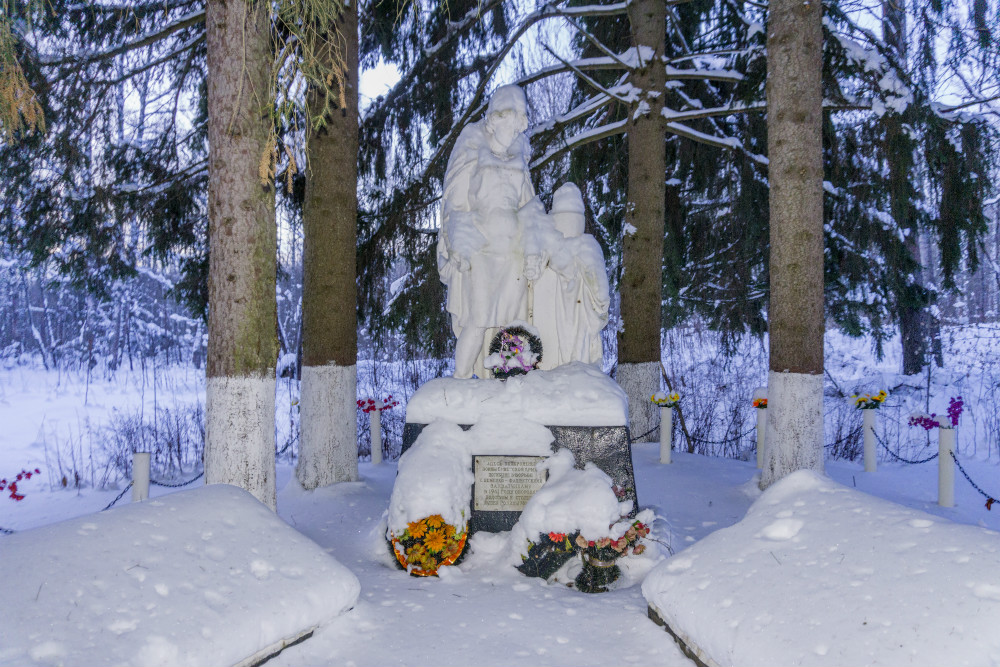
point(795, 323)
point(328, 449)
point(242, 347)
point(642, 253)
point(913, 316)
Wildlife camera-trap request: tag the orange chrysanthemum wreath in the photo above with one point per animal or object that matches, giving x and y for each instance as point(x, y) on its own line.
point(428, 544)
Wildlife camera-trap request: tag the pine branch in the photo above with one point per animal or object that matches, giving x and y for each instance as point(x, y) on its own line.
point(187, 46)
point(77, 59)
point(586, 79)
point(581, 139)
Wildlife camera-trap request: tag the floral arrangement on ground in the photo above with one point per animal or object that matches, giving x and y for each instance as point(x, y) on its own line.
point(429, 544)
point(596, 566)
point(515, 350)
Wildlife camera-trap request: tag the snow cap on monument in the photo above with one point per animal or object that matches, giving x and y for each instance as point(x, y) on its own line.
point(567, 199)
point(567, 210)
point(509, 97)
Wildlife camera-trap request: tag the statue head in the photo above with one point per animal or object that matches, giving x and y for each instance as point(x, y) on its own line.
point(506, 117)
point(567, 210)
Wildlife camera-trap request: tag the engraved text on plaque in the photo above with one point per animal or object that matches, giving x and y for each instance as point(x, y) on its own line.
point(505, 483)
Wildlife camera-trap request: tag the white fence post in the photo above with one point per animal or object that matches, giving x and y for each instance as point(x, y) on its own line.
point(868, 428)
point(946, 467)
point(375, 426)
point(666, 433)
point(140, 476)
point(761, 436)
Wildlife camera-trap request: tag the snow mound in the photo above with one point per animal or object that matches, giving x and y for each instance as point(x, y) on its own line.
point(208, 576)
point(832, 576)
point(576, 394)
point(435, 474)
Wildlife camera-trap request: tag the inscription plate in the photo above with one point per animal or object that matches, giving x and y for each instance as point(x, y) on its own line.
point(505, 483)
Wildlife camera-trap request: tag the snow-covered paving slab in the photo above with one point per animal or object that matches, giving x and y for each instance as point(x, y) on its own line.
point(202, 577)
point(821, 574)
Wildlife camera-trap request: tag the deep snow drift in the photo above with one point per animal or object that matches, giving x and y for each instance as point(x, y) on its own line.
point(821, 574)
point(208, 576)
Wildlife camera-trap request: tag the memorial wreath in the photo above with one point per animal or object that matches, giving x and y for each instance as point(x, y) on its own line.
point(515, 350)
point(599, 557)
point(429, 544)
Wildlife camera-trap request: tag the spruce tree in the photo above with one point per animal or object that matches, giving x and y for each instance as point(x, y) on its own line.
point(328, 449)
point(242, 344)
point(795, 174)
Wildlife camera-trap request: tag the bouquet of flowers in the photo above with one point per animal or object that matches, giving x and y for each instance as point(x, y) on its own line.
point(666, 400)
point(869, 401)
point(927, 422)
point(598, 567)
point(429, 544)
point(515, 350)
point(368, 405)
point(599, 557)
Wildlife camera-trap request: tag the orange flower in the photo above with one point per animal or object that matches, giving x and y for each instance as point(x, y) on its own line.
point(417, 529)
point(557, 537)
point(434, 541)
point(449, 531)
point(434, 521)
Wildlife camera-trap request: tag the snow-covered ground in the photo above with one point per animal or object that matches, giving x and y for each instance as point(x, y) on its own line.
point(480, 613)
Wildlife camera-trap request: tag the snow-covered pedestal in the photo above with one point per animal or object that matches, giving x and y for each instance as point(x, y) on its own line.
point(584, 409)
point(208, 576)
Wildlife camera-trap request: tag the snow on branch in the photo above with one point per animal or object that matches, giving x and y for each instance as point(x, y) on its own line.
point(675, 74)
point(693, 114)
point(730, 143)
point(586, 79)
point(581, 139)
point(571, 65)
point(456, 28)
point(595, 10)
point(597, 43)
point(582, 110)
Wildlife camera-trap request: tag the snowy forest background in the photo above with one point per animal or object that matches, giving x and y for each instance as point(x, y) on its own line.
point(103, 252)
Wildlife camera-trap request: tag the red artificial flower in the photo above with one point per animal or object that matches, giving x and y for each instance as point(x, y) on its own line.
point(557, 537)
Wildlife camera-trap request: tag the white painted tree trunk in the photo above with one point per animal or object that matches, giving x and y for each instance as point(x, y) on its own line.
point(328, 448)
point(375, 426)
point(794, 425)
point(868, 427)
point(140, 476)
point(640, 382)
point(239, 434)
point(761, 436)
point(946, 467)
point(666, 433)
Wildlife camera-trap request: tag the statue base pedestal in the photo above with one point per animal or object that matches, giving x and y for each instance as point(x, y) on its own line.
point(607, 447)
point(584, 410)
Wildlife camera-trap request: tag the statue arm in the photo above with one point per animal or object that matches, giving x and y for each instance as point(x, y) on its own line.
point(460, 236)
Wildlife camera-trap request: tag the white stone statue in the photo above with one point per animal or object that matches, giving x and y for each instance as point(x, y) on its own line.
point(496, 240)
point(480, 247)
point(572, 297)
